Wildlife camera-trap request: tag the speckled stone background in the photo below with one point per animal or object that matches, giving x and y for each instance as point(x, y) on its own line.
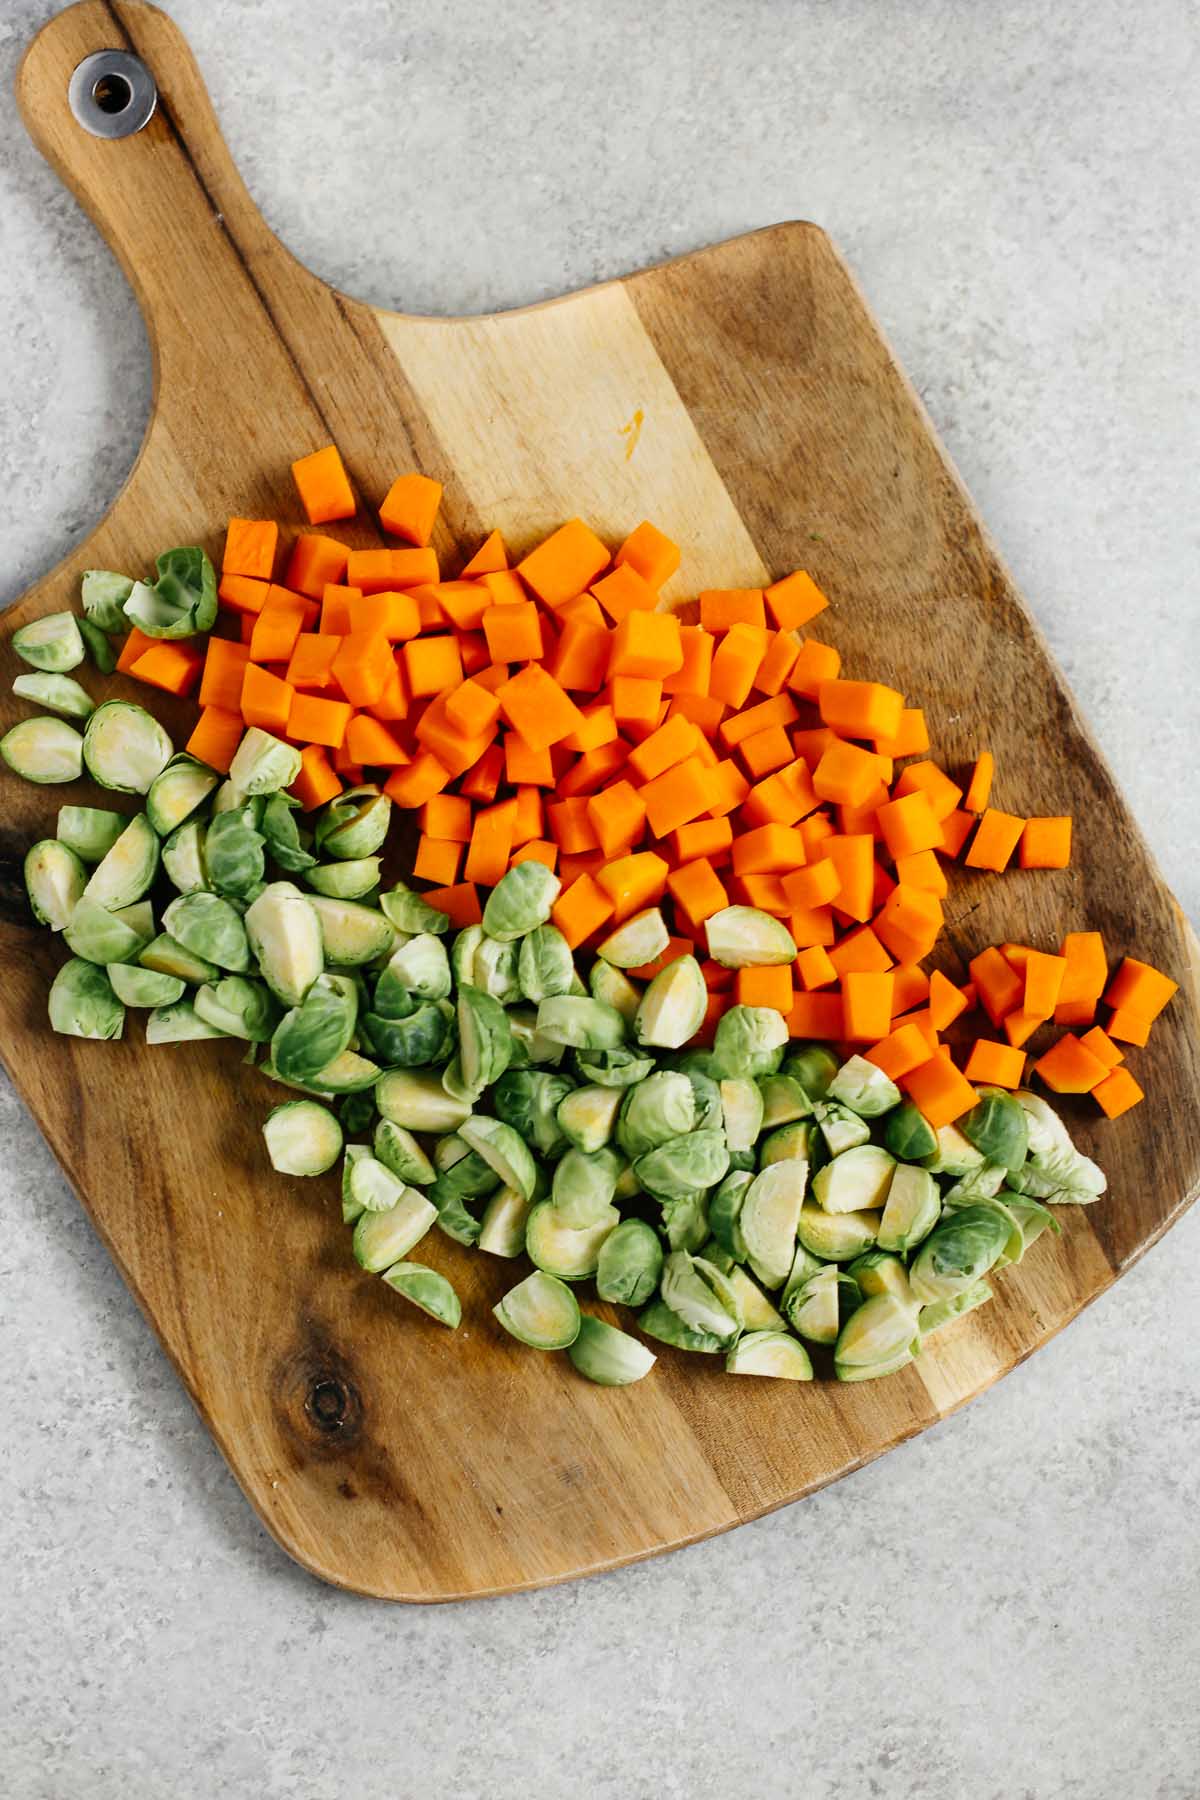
point(1008, 1608)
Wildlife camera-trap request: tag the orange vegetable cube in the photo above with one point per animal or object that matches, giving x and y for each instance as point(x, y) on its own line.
point(410, 508)
point(571, 826)
point(1131, 1027)
point(1087, 969)
point(491, 843)
point(710, 838)
point(437, 859)
point(816, 664)
point(323, 486)
point(815, 885)
point(846, 774)
point(379, 571)
point(250, 546)
point(653, 555)
point(854, 859)
point(624, 591)
point(536, 706)
point(513, 633)
point(1117, 1093)
point(1101, 1045)
point(912, 987)
point(785, 797)
point(524, 766)
point(633, 882)
point(424, 777)
point(1069, 1067)
point(392, 704)
point(912, 739)
point(536, 850)
point(860, 709)
point(482, 779)
point(814, 968)
point(677, 796)
point(447, 816)
point(472, 710)
point(736, 662)
point(315, 721)
point(490, 557)
point(770, 987)
point(1140, 988)
point(1046, 844)
point(636, 701)
point(311, 664)
point(431, 665)
point(1043, 981)
point(956, 827)
point(277, 627)
point(921, 869)
point(597, 729)
point(762, 891)
point(783, 652)
point(702, 709)
point(316, 562)
point(503, 588)
point(1019, 1026)
point(692, 676)
point(581, 660)
point(566, 563)
point(940, 1092)
point(618, 817)
point(979, 787)
point(215, 737)
point(266, 700)
point(995, 840)
point(646, 644)
point(1000, 986)
point(909, 826)
point(780, 709)
point(795, 600)
point(696, 887)
point(866, 1004)
point(672, 743)
point(316, 782)
point(462, 602)
point(816, 1016)
point(766, 751)
point(335, 608)
point(460, 903)
point(581, 910)
point(362, 666)
point(946, 1001)
point(996, 1065)
point(224, 667)
point(860, 952)
point(909, 922)
point(811, 926)
point(370, 743)
point(531, 816)
point(900, 1052)
point(242, 595)
point(388, 613)
point(936, 785)
point(768, 850)
point(722, 607)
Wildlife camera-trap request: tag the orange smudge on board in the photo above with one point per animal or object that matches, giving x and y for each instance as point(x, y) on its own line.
point(633, 432)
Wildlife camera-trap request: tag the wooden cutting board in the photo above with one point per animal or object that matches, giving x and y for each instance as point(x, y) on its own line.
point(776, 432)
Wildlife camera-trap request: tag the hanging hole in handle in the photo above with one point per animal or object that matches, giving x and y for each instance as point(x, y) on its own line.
point(112, 93)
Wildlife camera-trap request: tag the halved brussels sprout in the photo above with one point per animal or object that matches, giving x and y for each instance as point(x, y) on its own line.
point(636, 941)
point(183, 858)
point(353, 934)
point(750, 1041)
point(57, 693)
point(620, 1068)
point(998, 1126)
point(842, 1129)
point(90, 831)
point(520, 900)
point(484, 1038)
point(82, 1003)
point(911, 1210)
point(630, 1264)
point(398, 1150)
point(426, 1289)
point(495, 970)
point(908, 1134)
point(355, 823)
point(421, 967)
point(174, 795)
point(569, 1252)
point(588, 1115)
point(285, 935)
point(55, 880)
point(310, 1035)
point(584, 1187)
point(540, 1311)
point(178, 1024)
point(210, 927)
point(804, 1266)
point(578, 1021)
point(659, 1322)
point(416, 1099)
point(502, 1228)
point(856, 1181)
point(124, 748)
point(864, 1088)
point(742, 937)
point(104, 595)
point(837, 1237)
point(545, 966)
point(48, 751)
point(169, 957)
point(615, 989)
point(303, 1138)
point(742, 1106)
point(931, 1318)
point(384, 1238)
point(784, 1101)
point(100, 936)
point(425, 1036)
point(51, 642)
point(655, 1110)
point(768, 1219)
point(408, 912)
point(683, 1167)
point(234, 856)
point(607, 1356)
point(135, 986)
point(816, 1309)
point(958, 1252)
point(344, 880)
point(239, 1006)
point(879, 1337)
point(182, 602)
point(128, 871)
point(757, 1312)
point(769, 1353)
point(814, 1067)
point(701, 1296)
point(528, 1100)
point(672, 1008)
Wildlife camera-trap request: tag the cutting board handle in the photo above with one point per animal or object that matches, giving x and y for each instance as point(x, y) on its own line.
point(167, 197)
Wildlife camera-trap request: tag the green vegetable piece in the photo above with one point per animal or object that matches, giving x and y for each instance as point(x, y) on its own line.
point(425, 1036)
point(169, 957)
point(911, 1210)
point(654, 1111)
point(263, 764)
point(953, 1156)
point(941, 1312)
point(399, 1151)
point(837, 1237)
point(685, 1222)
point(572, 1253)
point(750, 1041)
point(528, 1100)
point(178, 1024)
point(90, 831)
point(57, 693)
point(814, 1068)
point(637, 940)
point(348, 1073)
point(666, 1327)
point(879, 1337)
point(173, 796)
point(579, 1021)
point(288, 849)
point(725, 1212)
point(104, 595)
point(629, 1265)
point(683, 1167)
point(856, 1181)
point(354, 824)
point(881, 1272)
point(540, 1311)
point(588, 1115)
point(183, 858)
point(384, 1238)
point(352, 1209)
point(502, 1149)
point(502, 1228)
point(742, 937)
point(82, 1003)
point(865, 1089)
point(520, 900)
point(788, 1143)
point(998, 1126)
point(841, 1129)
point(285, 935)
point(182, 602)
point(135, 986)
point(813, 1310)
point(55, 880)
point(584, 1187)
point(210, 927)
point(1031, 1217)
point(128, 870)
point(769, 1353)
point(356, 1110)
point(416, 1099)
point(46, 751)
point(373, 1187)
point(742, 1106)
point(303, 1138)
point(607, 1356)
point(353, 934)
point(408, 912)
point(310, 1035)
point(701, 1296)
point(958, 1252)
point(344, 880)
point(422, 967)
point(804, 1266)
point(768, 1219)
point(783, 1101)
point(426, 1289)
point(495, 970)
point(124, 748)
point(545, 966)
point(100, 936)
point(52, 643)
point(238, 1006)
point(615, 989)
point(619, 1068)
point(672, 1008)
point(908, 1134)
point(484, 1037)
point(97, 646)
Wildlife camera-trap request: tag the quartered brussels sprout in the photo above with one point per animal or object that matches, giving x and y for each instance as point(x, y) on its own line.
point(239, 1006)
point(182, 602)
point(104, 595)
point(52, 643)
point(725, 1211)
point(128, 870)
point(344, 880)
point(263, 764)
point(908, 1134)
point(742, 1107)
point(572, 1253)
point(750, 1041)
point(287, 845)
point(817, 1308)
point(426, 1289)
point(178, 1024)
point(100, 936)
point(608, 1356)
point(637, 941)
point(911, 1210)
point(310, 1035)
point(421, 967)
point(584, 1187)
point(701, 1296)
point(408, 912)
point(958, 1252)
point(683, 1167)
point(502, 1227)
point(841, 1129)
point(837, 1237)
point(878, 1338)
point(425, 1036)
point(174, 795)
point(655, 1110)
point(374, 1187)
point(355, 824)
point(98, 646)
point(352, 934)
point(953, 1155)
point(856, 1181)
point(352, 1209)
point(672, 1008)
point(758, 1314)
point(540, 1311)
point(416, 1099)
point(769, 1353)
point(484, 1038)
point(588, 1115)
point(941, 1312)
point(502, 1149)
point(685, 1222)
point(169, 957)
point(520, 900)
point(788, 1143)
point(124, 748)
point(659, 1322)
point(348, 1073)
point(82, 1003)
point(706, 1095)
point(742, 937)
point(398, 1150)
point(210, 927)
point(629, 1264)
point(384, 1238)
point(495, 970)
point(55, 880)
point(998, 1127)
point(135, 986)
point(769, 1217)
point(783, 1100)
point(90, 831)
point(48, 751)
point(578, 1021)
point(615, 989)
point(183, 858)
point(57, 693)
point(881, 1272)
point(804, 1266)
point(545, 966)
point(814, 1068)
point(528, 1100)
point(865, 1089)
point(303, 1138)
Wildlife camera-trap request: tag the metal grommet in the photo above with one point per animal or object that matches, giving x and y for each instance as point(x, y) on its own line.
point(112, 93)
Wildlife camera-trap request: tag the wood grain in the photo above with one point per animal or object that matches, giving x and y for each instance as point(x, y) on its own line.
point(384, 1454)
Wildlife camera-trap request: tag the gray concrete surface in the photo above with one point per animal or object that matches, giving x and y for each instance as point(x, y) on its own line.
point(1008, 1608)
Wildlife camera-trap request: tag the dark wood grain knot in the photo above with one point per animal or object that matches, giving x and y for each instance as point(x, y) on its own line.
point(318, 1402)
point(327, 1404)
